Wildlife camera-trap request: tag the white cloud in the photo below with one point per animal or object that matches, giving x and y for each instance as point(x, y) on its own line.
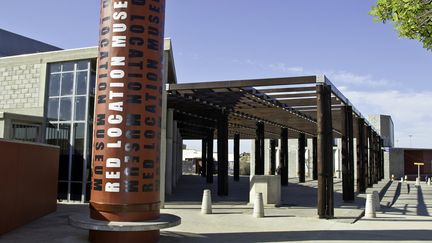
point(338, 77)
point(349, 78)
point(282, 67)
point(411, 113)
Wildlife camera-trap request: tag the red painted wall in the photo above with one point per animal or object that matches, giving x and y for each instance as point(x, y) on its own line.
point(418, 155)
point(28, 182)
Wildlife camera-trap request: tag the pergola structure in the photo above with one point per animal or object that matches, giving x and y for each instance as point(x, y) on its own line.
point(280, 108)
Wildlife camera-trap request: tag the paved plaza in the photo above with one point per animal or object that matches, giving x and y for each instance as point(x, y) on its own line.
point(404, 217)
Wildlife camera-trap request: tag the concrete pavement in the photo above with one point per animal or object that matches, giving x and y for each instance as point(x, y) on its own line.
point(295, 221)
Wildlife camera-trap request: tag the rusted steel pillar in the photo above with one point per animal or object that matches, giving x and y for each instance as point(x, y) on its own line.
point(361, 185)
point(236, 157)
point(376, 159)
point(210, 160)
point(347, 154)
point(222, 154)
point(273, 143)
point(301, 157)
point(126, 141)
point(372, 154)
point(378, 154)
point(382, 157)
point(203, 157)
point(314, 158)
point(325, 152)
point(370, 157)
point(283, 157)
point(259, 149)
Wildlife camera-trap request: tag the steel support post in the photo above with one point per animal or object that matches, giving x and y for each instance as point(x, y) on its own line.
point(273, 143)
point(325, 152)
point(376, 159)
point(283, 157)
point(378, 154)
point(347, 154)
point(314, 158)
point(210, 160)
point(370, 157)
point(301, 157)
point(259, 149)
point(236, 157)
point(126, 151)
point(222, 154)
point(382, 157)
point(361, 185)
point(204, 157)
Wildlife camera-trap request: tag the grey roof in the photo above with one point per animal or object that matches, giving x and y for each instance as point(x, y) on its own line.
point(13, 44)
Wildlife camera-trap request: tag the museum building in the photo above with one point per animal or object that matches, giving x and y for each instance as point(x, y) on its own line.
point(47, 95)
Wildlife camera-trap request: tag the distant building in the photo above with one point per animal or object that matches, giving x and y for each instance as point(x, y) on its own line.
point(192, 157)
point(385, 127)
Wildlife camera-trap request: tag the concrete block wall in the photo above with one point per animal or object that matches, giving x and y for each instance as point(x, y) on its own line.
point(21, 88)
point(23, 79)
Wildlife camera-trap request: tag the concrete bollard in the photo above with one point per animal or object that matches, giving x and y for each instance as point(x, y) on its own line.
point(206, 206)
point(370, 211)
point(406, 178)
point(417, 181)
point(258, 210)
point(376, 200)
point(429, 181)
point(401, 179)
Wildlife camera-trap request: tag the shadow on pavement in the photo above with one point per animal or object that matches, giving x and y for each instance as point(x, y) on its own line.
point(287, 236)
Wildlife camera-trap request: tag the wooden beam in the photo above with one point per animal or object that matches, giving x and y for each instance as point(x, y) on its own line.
point(244, 83)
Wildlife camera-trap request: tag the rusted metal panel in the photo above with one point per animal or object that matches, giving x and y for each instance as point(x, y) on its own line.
point(28, 187)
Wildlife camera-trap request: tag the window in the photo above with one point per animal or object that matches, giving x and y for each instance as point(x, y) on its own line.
point(25, 132)
point(69, 115)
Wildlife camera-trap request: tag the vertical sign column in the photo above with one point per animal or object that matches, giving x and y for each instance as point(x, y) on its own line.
point(125, 182)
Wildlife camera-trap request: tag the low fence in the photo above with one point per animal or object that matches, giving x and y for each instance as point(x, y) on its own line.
point(28, 182)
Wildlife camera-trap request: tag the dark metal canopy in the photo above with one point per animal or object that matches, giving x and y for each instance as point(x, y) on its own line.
point(289, 102)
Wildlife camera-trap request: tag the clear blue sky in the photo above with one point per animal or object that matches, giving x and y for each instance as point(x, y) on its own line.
point(225, 39)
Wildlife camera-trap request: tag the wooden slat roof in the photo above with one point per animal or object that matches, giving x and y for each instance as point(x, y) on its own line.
point(278, 102)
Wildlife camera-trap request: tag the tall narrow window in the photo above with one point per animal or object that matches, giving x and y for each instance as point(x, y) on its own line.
point(69, 110)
